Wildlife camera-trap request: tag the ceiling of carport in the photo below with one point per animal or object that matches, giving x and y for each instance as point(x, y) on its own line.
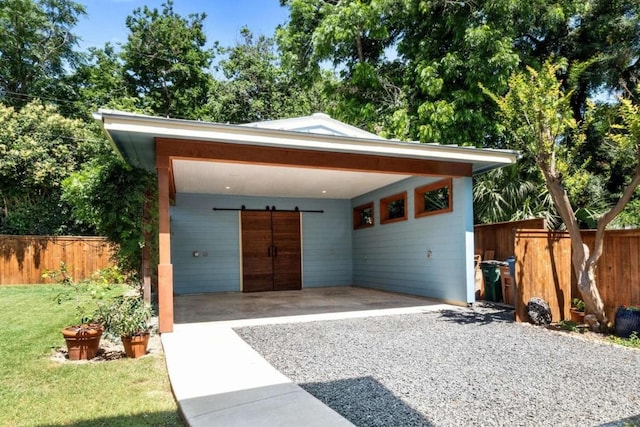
point(195, 176)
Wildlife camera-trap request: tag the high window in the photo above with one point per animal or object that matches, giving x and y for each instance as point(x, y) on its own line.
point(393, 208)
point(363, 216)
point(433, 199)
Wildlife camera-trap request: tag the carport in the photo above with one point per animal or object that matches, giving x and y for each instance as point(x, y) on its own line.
point(303, 203)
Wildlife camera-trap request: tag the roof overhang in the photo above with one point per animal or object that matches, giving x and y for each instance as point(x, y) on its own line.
point(325, 159)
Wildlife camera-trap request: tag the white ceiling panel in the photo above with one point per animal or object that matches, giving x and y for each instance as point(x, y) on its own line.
point(193, 176)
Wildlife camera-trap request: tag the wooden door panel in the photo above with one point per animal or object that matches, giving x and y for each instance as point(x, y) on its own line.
point(257, 263)
point(287, 269)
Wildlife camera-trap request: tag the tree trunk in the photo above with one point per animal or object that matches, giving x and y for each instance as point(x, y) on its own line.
point(589, 291)
point(583, 264)
point(359, 48)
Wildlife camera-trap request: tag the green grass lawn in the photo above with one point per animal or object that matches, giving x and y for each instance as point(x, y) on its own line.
point(34, 390)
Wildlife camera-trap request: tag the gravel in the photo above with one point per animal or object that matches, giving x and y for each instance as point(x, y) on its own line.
point(471, 367)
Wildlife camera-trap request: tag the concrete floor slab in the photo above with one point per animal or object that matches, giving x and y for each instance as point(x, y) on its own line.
point(215, 307)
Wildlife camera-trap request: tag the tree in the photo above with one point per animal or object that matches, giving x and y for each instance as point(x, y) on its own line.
point(257, 87)
point(36, 46)
point(429, 89)
point(38, 149)
point(353, 35)
point(538, 115)
point(98, 81)
point(166, 64)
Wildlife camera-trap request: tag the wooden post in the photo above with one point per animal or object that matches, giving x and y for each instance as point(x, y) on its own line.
point(165, 268)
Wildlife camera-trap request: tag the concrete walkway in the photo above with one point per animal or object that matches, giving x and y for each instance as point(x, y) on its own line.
point(219, 380)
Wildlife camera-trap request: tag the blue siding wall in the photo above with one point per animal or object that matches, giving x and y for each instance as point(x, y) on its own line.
point(326, 241)
point(196, 227)
point(430, 256)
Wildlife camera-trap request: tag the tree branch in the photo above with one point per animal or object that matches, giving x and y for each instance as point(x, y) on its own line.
point(611, 214)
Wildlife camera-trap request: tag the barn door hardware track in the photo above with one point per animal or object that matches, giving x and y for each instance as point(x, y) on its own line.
point(268, 208)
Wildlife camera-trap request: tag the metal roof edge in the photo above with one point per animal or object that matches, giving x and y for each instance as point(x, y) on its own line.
point(508, 156)
point(99, 118)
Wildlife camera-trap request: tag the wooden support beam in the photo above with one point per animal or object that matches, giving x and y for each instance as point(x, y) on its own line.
point(165, 268)
point(261, 155)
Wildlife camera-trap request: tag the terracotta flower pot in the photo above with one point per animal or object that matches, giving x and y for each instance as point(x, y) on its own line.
point(577, 316)
point(83, 341)
point(135, 346)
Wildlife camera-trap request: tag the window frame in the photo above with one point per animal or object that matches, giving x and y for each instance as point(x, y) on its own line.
point(384, 208)
point(418, 198)
point(357, 213)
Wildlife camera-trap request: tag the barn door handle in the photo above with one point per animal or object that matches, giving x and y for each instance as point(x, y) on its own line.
point(269, 251)
point(275, 251)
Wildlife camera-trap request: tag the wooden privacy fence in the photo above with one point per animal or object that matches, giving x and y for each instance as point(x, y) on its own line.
point(544, 269)
point(23, 259)
point(498, 237)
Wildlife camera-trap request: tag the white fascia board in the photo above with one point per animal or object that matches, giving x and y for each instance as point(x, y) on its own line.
point(186, 129)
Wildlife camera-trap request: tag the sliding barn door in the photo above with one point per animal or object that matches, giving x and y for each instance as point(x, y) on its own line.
point(257, 263)
point(287, 270)
point(271, 253)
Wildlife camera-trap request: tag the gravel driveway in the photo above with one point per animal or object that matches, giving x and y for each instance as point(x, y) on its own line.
point(454, 368)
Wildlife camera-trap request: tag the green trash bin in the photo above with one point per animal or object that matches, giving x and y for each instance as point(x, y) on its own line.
point(492, 286)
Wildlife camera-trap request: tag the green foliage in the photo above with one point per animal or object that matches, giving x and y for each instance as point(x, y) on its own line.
point(538, 119)
point(426, 58)
point(120, 202)
point(537, 114)
point(512, 193)
point(633, 341)
point(571, 326)
point(61, 276)
point(86, 294)
point(109, 275)
point(98, 82)
point(38, 150)
point(578, 304)
point(630, 216)
point(257, 87)
point(414, 69)
point(353, 36)
point(166, 64)
point(125, 315)
point(36, 46)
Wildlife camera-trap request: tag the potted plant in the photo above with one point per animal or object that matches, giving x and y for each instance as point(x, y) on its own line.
point(577, 311)
point(83, 337)
point(127, 316)
point(627, 321)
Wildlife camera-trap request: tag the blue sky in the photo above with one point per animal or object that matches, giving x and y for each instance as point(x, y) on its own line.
point(105, 19)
